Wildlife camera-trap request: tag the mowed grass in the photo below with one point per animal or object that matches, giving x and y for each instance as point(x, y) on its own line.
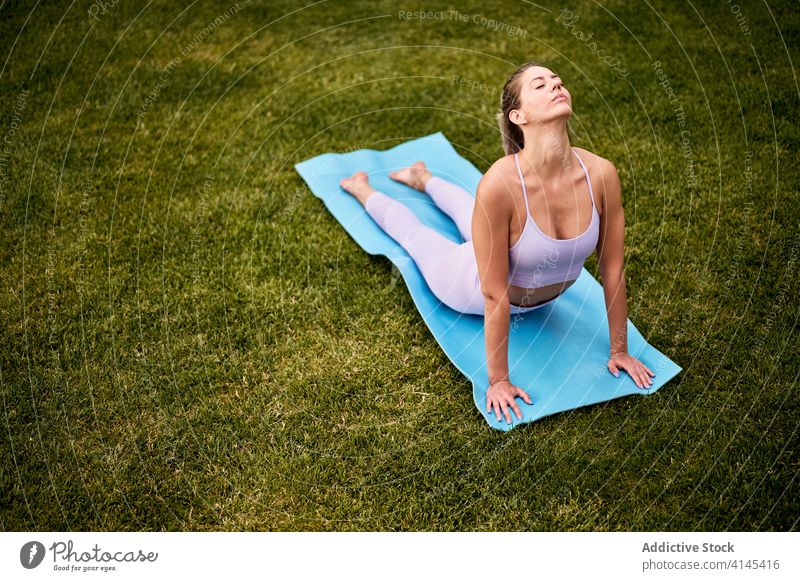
point(190, 341)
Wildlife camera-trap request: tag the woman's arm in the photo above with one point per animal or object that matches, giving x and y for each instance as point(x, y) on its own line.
point(490, 222)
point(611, 259)
point(491, 217)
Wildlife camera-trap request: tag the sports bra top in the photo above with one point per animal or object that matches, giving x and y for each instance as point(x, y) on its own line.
point(537, 260)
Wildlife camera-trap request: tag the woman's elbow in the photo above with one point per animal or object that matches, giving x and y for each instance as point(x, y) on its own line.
point(494, 294)
point(613, 270)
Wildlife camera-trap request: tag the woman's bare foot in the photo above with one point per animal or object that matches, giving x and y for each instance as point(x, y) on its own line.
point(358, 185)
point(416, 176)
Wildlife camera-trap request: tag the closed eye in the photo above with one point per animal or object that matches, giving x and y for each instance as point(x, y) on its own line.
point(556, 77)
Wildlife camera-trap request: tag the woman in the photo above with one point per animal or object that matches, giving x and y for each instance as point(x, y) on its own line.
point(542, 210)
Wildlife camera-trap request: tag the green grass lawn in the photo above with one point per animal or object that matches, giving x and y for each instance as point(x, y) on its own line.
point(190, 341)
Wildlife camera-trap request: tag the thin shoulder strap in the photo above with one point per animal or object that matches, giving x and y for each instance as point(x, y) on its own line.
point(586, 172)
point(522, 181)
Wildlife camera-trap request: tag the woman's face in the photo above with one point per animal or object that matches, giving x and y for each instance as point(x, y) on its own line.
point(542, 96)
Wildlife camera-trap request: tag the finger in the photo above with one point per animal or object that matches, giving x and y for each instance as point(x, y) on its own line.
point(497, 410)
point(517, 410)
point(524, 395)
point(646, 381)
point(612, 367)
point(648, 370)
point(506, 414)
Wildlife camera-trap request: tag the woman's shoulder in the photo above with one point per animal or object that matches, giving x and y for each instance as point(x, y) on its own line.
point(598, 167)
point(499, 168)
point(604, 177)
point(498, 182)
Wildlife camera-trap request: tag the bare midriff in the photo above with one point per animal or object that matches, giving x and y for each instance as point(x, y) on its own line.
point(517, 294)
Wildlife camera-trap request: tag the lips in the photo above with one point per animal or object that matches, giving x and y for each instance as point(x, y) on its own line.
point(559, 97)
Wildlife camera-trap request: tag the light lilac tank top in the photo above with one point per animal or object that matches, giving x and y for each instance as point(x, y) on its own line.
point(538, 260)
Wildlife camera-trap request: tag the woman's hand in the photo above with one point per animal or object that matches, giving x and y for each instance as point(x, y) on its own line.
point(635, 368)
point(501, 396)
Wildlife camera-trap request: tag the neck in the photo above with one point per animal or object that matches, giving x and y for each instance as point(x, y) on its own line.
point(547, 149)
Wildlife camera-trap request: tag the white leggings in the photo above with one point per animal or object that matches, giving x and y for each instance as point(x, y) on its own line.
point(449, 269)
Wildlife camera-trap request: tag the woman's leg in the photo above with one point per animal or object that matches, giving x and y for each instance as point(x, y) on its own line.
point(454, 201)
point(449, 269)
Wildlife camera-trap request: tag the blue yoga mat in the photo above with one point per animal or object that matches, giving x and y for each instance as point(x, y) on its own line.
point(557, 353)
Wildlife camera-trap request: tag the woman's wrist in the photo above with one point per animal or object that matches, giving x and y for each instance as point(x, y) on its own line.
point(492, 382)
point(424, 179)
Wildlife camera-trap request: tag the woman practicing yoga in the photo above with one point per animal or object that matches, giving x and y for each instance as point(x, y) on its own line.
point(542, 210)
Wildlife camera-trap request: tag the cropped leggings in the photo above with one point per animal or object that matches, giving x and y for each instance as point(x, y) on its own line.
point(449, 269)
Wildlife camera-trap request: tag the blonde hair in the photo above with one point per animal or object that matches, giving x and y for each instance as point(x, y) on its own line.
point(513, 139)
